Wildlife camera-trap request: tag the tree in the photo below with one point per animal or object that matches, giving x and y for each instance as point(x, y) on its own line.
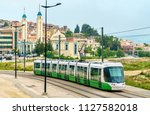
point(138, 48)
point(110, 42)
point(88, 49)
point(145, 44)
point(69, 34)
point(77, 29)
point(120, 53)
point(39, 48)
point(6, 24)
point(49, 46)
point(50, 54)
point(99, 52)
point(88, 31)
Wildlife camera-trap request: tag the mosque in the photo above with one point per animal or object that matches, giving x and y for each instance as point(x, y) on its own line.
point(31, 32)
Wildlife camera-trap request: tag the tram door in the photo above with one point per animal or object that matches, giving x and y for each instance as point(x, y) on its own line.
point(81, 76)
point(43, 70)
point(47, 69)
point(95, 77)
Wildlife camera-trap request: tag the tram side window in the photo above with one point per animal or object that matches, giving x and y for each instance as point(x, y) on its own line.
point(71, 68)
point(43, 65)
point(95, 73)
point(81, 71)
point(47, 65)
point(85, 71)
point(54, 67)
point(64, 68)
point(37, 65)
point(59, 68)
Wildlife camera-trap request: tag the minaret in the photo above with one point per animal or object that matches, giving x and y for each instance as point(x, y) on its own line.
point(39, 34)
point(24, 28)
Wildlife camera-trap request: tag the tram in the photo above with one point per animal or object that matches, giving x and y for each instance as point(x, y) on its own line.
point(104, 76)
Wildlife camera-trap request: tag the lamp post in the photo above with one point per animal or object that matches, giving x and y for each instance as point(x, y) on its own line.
point(16, 27)
point(46, 7)
point(59, 46)
point(102, 32)
point(24, 56)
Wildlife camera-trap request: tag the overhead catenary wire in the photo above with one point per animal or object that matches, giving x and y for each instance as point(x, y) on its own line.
point(129, 30)
point(140, 35)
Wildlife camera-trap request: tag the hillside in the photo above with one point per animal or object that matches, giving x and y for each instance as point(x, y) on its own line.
point(4, 23)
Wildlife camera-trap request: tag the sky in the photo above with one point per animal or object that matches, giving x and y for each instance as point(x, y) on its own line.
point(113, 15)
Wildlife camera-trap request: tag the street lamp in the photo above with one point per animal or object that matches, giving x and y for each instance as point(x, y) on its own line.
point(102, 32)
point(46, 7)
point(24, 55)
point(59, 46)
point(16, 27)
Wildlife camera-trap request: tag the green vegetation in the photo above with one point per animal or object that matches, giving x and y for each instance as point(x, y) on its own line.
point(142, 80)
point(143, 54)
point(109, 42)
point(69, 34)
point(136, 65)
point(7, 66)
point(88, 31)
point(120, 53)
point(40, 47)
point(11, 66)
point(77, 29)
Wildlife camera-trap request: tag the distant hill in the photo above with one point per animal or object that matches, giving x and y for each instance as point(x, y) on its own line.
point(4, 23)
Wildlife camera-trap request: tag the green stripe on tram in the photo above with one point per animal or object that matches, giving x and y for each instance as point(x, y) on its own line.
point(54, 74)
point(72, 78)
point(37, 72)
point(94, 83)
point(106, 86)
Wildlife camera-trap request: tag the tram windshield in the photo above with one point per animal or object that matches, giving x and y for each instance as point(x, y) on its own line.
point(114, 74)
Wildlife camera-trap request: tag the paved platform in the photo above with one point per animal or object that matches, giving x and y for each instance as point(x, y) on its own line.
point(25, 87)
point(9, 90)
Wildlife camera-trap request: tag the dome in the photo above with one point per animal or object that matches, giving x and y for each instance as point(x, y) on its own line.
point(39, 14)
point(24, 16)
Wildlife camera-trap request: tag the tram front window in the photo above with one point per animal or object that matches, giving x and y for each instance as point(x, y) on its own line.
point(114, 74)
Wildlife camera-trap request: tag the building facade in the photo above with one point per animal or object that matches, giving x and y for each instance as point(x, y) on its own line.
point(6, 40)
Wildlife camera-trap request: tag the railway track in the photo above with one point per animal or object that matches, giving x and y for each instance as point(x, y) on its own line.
point(81, 90)
point(67, 87)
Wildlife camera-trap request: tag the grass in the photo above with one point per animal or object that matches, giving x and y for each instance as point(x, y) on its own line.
point(134, 64)
point(11, 66)
point(142, 80)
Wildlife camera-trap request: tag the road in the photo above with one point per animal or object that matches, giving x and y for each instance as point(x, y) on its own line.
point(64, 89)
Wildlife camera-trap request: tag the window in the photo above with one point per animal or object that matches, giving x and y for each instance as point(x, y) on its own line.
point(5, 47)
point(75, 49)
point(95, 73)
point(6, 42)
point(57, 46)
point(66, 46)
point(36, 65)
point(54, 67)
point(5, 37)
point(63, 68)
point(47, 65)
point(71, 68)
point(82, 71)
point(114, 74)
point(85, 71)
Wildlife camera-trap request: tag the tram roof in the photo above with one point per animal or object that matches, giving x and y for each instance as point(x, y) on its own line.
point(92, 64)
